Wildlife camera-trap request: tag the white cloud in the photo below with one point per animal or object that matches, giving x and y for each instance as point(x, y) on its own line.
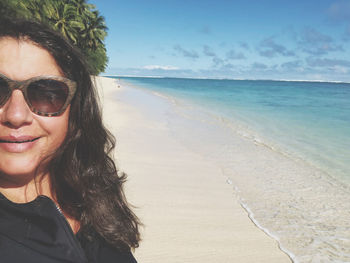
point(152, 67)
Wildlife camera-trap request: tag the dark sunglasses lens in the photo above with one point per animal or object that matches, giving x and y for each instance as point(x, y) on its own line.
point(4, 91)
point(47, 95)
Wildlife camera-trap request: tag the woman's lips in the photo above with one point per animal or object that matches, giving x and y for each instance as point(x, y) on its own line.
point(17, 144)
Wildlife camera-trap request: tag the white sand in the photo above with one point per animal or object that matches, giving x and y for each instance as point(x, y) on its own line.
point(190, 213)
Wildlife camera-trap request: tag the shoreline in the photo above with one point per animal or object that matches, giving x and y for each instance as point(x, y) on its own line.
point(302, 207)
point(187, 205)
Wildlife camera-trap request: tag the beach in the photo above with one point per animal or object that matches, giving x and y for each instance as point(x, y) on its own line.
point(189, 210)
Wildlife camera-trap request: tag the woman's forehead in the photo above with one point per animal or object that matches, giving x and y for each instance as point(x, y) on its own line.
point(21, 59)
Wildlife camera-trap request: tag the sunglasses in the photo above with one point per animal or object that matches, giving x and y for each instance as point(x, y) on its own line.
point(45, 95)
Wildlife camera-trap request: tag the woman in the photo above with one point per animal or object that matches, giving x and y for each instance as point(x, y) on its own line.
point(61, 199)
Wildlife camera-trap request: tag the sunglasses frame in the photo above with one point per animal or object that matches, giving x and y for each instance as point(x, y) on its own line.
point(23, 85)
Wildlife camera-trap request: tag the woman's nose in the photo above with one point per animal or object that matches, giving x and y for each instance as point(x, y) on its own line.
point(15, 112)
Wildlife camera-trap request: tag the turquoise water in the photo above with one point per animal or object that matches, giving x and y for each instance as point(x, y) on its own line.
point(310, 120)
point(283, 146)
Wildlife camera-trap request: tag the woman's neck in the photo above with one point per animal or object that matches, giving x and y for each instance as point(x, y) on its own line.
point(24, 191)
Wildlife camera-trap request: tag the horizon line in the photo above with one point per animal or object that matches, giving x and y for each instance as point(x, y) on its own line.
point(205, 78)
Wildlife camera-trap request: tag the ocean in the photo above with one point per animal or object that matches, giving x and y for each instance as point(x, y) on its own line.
point(284, 146)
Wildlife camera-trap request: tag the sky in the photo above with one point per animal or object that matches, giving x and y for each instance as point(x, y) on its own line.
point(262, 39)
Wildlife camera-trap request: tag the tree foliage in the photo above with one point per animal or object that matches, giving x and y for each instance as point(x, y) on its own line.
point(77, 20)
point(7, 8)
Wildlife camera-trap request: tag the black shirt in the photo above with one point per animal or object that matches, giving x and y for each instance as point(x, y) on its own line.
point(38, 232)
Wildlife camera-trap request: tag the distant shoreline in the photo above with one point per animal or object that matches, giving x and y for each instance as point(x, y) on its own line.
point(203, 78)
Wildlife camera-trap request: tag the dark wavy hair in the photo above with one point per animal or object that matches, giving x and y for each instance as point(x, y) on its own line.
point(83, 174)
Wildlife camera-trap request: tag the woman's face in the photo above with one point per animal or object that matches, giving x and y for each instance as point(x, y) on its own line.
point(19, 154)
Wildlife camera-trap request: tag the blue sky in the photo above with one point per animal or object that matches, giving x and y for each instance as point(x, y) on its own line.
point(294, 40)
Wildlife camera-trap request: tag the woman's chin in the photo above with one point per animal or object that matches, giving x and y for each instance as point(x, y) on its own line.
point(20, 172)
